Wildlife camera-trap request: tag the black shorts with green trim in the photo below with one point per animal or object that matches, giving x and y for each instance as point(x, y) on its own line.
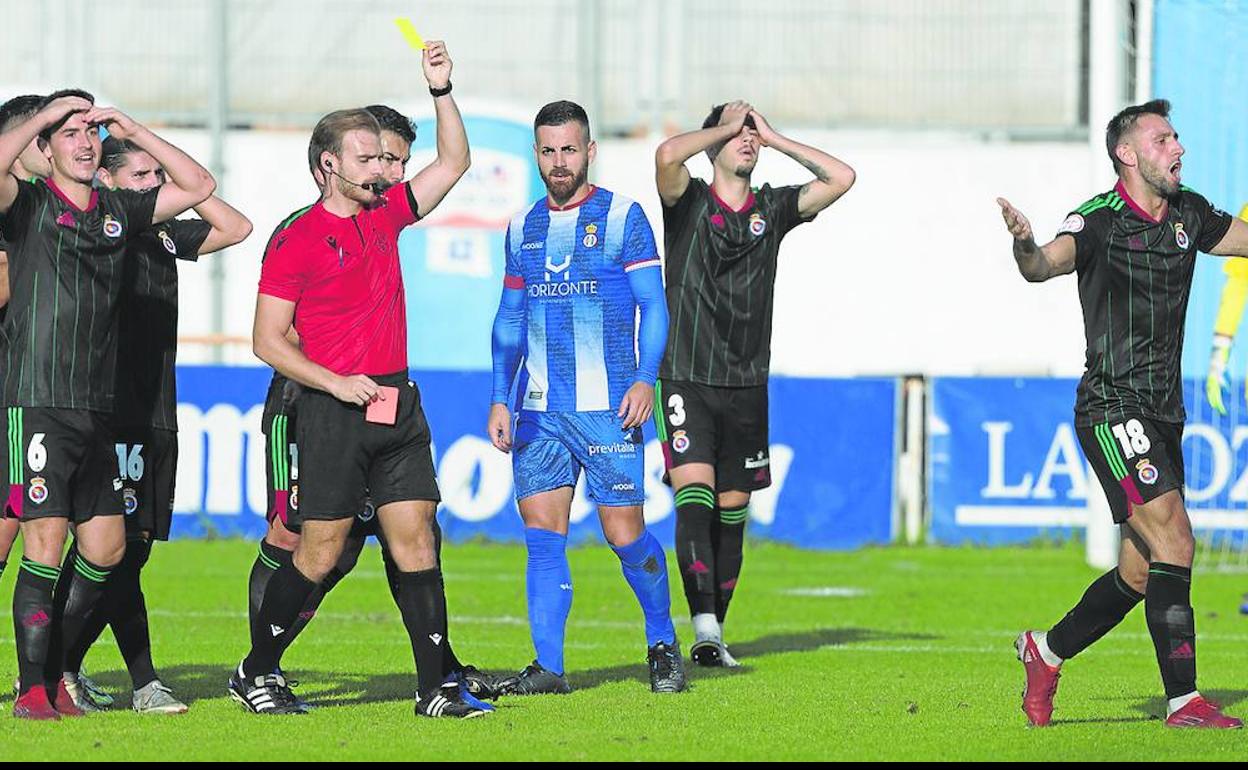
point(1136, 460)
point(726, 428)
point(61, 464)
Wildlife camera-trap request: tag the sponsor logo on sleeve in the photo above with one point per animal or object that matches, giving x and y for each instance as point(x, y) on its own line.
point(1072, 224)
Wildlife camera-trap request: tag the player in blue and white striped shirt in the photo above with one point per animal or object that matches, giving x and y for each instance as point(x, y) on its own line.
point(579, 264)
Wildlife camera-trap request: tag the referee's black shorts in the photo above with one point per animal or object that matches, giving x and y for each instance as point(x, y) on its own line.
point(344, 460)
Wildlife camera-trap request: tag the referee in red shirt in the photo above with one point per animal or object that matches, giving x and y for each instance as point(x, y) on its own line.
point(334, 274)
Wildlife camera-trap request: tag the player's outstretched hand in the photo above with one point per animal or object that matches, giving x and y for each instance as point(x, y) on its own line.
point(637, 405)
point(117, 122)
point(499, 427)
point(437, 64)
point(734, 114)
point(766, 134)
point(1015, 222)
point(356, 389)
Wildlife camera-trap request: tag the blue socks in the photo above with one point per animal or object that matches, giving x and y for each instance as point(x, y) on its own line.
point(549, 580)
point(645, 569)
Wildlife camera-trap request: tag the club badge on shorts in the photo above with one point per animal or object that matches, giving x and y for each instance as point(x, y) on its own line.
point(368, 513)
point(132, 501)
point(112, 228)
point(680, 441)
point(293, 502)
point(1180, 237)
point(758, 225)
point(1147, 472)
point(38, 490)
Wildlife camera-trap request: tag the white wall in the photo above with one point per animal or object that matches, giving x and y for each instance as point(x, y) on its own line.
point(910, 272)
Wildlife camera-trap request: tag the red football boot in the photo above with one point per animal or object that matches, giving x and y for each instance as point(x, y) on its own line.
point(64, 702)
point(1041, 681)
point(1202, 713)
point(34, 704)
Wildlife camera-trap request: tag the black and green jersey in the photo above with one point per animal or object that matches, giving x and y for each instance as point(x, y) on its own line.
point(147, 345)
point(721, 278)
point(1135, 277)
point(274, 402)
point(65, 277)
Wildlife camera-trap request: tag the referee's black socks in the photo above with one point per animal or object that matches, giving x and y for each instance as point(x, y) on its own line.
point(422, 603)
point(269, 560)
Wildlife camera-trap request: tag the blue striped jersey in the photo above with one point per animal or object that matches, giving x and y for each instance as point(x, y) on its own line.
point(580, 311)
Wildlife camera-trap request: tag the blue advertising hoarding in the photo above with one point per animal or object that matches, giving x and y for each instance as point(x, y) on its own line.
point(1005, 466)
point(833, 461)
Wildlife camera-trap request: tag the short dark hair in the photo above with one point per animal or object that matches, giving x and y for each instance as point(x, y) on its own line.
point(712, 120)
point(391, 119)
point(1124, 121)
point(18, 110)
point(329, 131)
point(46, 133)
point(114, 152)
point(560, 113)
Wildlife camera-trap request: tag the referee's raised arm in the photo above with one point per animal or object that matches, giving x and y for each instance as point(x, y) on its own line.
point(431, 184)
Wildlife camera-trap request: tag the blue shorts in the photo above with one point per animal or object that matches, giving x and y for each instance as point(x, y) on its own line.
point(551, 449)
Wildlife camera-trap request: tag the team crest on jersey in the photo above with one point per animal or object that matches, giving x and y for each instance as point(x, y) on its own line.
point(1180, 237)
point(758, 225)
point(1072, 224)
point(112, 228)
point(591, 236)
point(132, 501)
point(38, 490)
point(168, 243)
point(680, 442)
point(1148, 472)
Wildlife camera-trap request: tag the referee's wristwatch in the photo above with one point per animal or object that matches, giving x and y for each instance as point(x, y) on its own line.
point(436, 92)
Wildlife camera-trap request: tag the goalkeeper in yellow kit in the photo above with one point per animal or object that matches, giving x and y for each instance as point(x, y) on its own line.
point(1230, 310)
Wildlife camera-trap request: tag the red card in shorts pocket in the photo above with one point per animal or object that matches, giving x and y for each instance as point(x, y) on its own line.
point(384, 410)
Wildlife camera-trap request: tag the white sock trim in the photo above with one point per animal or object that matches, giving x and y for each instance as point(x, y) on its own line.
point(1048, 656)
point(1177, 703)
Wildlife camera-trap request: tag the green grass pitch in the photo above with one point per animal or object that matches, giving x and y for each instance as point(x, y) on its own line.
point(891, 653)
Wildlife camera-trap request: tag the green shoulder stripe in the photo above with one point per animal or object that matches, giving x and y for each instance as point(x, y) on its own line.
point(290, 220)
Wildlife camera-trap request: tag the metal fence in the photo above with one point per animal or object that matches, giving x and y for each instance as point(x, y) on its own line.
point(638, 64)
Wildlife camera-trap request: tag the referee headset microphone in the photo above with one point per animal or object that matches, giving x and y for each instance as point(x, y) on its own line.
point(376, 188)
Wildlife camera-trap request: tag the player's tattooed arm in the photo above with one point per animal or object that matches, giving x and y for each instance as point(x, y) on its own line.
point(1037, 263)
point(833, 177)
point(271, 345)
point(19, 137)
point(433, 182)
point(229, 226)
point(1235, 242)
point(189, 183)
point(670, 173)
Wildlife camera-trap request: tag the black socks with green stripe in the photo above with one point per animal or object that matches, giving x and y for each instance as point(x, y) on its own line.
point(82, 587)
point(729, 540)
point(1172, 624)
point(32, 620)
point(695, 546)
point(1103, 606)
point(268, 561)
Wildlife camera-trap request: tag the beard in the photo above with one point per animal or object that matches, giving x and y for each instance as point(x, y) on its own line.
point(562, 186)
point(358, 193)
point(1160, 180)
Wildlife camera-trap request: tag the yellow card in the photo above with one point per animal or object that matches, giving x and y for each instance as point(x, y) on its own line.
point(409, 33)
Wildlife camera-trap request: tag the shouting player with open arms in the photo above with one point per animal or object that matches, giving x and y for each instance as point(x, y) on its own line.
point(66, 245)
point(722, 242)
point(334, 274)
point(580, 262)
point(1134, 251)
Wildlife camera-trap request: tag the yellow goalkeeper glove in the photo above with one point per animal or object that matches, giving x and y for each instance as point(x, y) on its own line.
point(1216, 379)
